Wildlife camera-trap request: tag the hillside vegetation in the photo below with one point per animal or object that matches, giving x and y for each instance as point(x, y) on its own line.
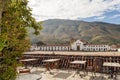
point(61, 31)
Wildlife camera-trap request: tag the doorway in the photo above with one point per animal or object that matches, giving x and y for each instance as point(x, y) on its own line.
point(78, 48)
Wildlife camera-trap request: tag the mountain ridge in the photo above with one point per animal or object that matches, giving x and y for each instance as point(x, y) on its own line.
point(61, 31)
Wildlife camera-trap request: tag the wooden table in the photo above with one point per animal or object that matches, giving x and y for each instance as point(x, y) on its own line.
point(26, 69)
point(111, 65)
point(51, 64)
point(51, 60)
point(78, 62)
point(27, 60)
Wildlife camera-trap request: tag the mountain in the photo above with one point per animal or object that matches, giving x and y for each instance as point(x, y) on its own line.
point(58, 31)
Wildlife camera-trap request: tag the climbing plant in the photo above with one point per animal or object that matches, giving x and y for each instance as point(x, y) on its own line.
point(15, 18)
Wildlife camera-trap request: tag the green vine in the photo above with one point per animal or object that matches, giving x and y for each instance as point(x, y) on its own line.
point(15, 17)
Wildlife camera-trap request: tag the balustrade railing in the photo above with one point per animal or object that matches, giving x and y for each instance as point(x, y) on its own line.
point(94, 63)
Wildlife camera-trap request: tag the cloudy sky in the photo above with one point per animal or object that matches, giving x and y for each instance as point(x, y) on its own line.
point(87, 10)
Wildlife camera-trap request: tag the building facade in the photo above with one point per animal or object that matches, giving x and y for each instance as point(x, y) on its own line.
point(75, 45)
point(79, 45)
point(55, 48)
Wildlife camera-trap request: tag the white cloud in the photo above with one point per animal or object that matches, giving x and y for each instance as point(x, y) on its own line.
point(115, 16)
point(100, 17)
point(71, 9)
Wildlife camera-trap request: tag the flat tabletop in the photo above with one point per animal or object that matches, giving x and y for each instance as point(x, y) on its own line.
point(26, 60)
point(51, 60)
point(78, 62)
point(111, 64)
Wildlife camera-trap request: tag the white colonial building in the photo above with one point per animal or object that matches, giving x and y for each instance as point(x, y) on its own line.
point(80, 45)
point(55, 48)
point(75, 45)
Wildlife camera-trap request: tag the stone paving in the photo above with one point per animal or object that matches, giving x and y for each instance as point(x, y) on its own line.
point(40, 74)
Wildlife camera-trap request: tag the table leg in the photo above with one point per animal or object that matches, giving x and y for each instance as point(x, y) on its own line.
point(26, 67)
point(115, 76)
point(77, 72)
point(85, 73)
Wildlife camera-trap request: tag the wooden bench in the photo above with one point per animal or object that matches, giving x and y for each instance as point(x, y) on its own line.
point(24, 70)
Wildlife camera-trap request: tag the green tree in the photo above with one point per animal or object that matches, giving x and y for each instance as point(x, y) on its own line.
point(15, 17)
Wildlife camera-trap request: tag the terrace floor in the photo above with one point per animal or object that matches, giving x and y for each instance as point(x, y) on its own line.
point(40, 74)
